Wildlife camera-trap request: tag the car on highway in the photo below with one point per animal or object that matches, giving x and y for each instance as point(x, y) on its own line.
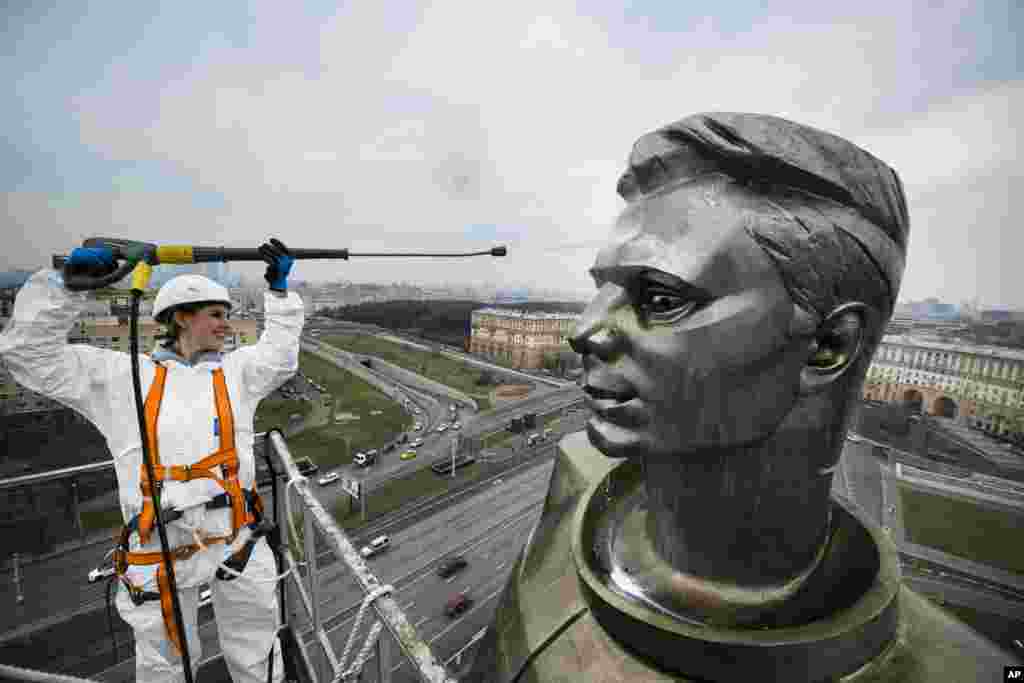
point(441, 428)
point(452, 565)
point(417, 443)
point(457, 605)
point(408, 455)
point(306, 466)
point(377, 545)
point(417, 427)
point(100, 573)
point(365, 459)
point(416, 411)
point(328, 479)
point(205, 597)
point(456, 425)
point(445, 466)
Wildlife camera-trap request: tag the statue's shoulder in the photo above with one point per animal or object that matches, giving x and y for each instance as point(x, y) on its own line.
point(544, 622)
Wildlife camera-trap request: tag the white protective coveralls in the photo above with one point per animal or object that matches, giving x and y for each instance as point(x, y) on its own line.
point(98, 384)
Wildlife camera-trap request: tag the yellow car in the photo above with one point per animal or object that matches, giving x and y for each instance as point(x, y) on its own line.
point(408, 455)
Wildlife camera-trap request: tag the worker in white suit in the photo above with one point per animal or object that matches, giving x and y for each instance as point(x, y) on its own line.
point(199, 411)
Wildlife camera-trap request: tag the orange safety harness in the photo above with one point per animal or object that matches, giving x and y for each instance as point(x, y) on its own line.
point(226, 457)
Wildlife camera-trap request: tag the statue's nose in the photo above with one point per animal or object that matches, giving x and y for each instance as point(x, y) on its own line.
point(594, 333)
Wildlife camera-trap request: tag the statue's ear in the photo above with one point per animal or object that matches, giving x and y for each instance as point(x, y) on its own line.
point(836, 345)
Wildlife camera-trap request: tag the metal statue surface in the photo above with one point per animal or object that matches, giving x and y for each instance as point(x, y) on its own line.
point(741, 295)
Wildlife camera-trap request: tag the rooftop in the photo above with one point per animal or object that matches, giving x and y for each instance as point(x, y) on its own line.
point(923, 342)
point(513, 313)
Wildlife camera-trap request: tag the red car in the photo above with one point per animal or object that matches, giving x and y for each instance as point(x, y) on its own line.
point(457, 605)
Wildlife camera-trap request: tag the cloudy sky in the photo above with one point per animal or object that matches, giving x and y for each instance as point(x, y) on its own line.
point(460, 124)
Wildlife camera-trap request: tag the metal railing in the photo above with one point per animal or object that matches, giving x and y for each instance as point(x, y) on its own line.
point(317, 518)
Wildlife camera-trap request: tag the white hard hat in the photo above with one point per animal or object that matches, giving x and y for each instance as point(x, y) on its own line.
point(188, 289)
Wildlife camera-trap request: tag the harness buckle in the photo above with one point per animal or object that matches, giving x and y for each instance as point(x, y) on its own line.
point(120, 561)
point(185, 552)
point(135, 593)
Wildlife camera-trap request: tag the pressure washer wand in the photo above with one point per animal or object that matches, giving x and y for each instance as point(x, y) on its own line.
point(145, 253)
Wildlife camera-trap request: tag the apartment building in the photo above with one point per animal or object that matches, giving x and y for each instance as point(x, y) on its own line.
point(520, 337)
point(982, 386)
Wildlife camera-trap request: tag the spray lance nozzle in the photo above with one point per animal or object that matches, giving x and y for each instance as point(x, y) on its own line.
point(142, 256)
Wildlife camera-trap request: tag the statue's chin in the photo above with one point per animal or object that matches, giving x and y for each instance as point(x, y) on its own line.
point(614, 440)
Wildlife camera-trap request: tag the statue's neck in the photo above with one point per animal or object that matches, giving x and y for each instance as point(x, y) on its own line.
point(751, 516)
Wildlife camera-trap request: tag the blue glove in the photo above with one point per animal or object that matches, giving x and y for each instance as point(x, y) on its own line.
point(279, 264)
point(91, 261)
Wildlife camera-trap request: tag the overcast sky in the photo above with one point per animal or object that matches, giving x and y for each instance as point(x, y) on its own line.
point(462, 124)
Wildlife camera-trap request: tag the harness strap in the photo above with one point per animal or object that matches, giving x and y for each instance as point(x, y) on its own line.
point(152, 410)
point(226, 457)
point(123, 557)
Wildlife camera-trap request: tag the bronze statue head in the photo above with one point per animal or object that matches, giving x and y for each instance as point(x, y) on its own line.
point(740, 297)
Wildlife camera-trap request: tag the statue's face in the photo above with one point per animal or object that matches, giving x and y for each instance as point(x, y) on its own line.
point(687, 345)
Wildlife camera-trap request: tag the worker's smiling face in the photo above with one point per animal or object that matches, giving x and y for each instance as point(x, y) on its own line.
point(687, 344)
point(207, 328)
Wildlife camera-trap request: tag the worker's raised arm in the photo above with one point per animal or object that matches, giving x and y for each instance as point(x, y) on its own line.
point(272, 360)
point(35, 349)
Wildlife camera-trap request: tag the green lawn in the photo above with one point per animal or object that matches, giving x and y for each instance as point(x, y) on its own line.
point(504, 436)
point(274, 412)
point(397, 492)
point(329, 446)
point(94, 520)
point(434, 366)
point(963, 529)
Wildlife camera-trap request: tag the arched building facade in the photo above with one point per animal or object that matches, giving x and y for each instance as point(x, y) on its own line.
point(982, 386)
point(520, 338)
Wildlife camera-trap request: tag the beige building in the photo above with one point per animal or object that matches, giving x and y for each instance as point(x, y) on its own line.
point(518, 337)
point(982, 386)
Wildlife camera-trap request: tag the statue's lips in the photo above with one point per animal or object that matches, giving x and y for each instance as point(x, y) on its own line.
point(617, 407)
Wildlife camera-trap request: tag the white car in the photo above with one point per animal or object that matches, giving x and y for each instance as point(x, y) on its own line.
point(376, 545)
point(328, 479)
point(456, 425)
point(417, 443)
point(442, 428)
point(417, 427)
point(205, 597)
point(99, 574)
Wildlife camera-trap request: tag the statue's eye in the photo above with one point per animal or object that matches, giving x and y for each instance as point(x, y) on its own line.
point(661, 305)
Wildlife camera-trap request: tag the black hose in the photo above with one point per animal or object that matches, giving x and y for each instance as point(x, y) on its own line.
point(154, 485)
